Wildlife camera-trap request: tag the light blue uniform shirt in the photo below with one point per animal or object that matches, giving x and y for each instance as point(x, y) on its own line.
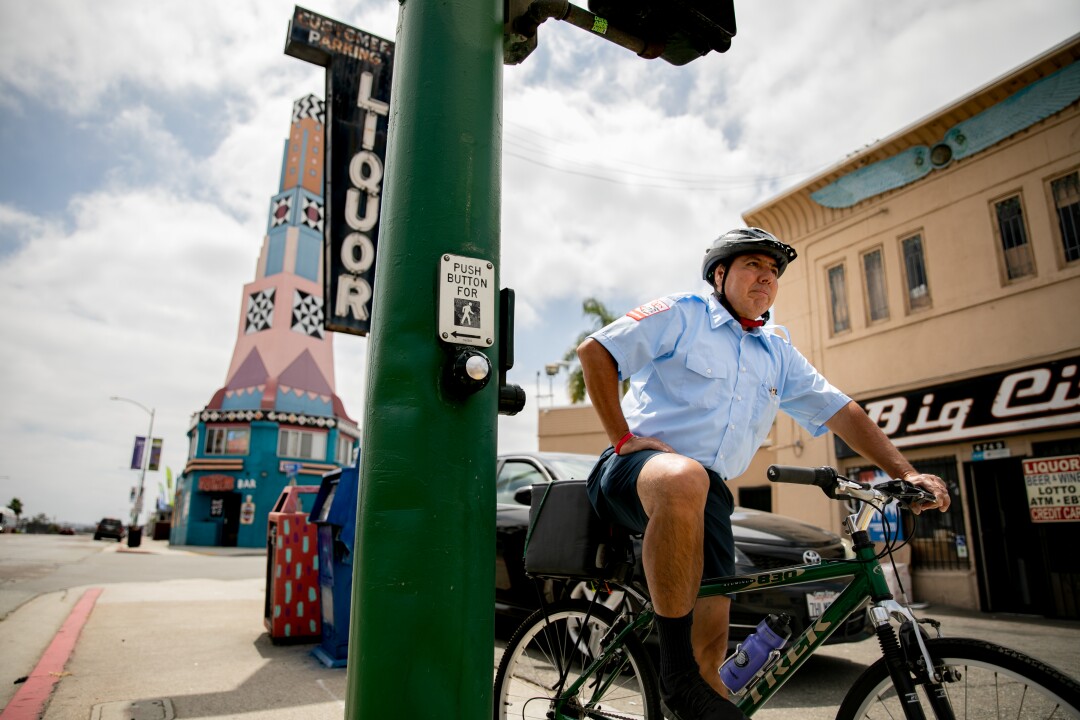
point(706, 387)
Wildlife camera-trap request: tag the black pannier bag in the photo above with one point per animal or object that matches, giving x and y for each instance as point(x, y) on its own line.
point(568, 539)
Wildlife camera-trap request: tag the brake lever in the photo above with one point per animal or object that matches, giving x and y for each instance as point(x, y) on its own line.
point(904, 491)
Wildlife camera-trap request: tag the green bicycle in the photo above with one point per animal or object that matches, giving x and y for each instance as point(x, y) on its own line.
point(582, 659)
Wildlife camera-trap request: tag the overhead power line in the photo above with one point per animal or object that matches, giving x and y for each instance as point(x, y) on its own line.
point(643, 176)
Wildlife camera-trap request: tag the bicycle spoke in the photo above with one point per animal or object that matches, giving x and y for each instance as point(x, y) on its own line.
point(985, 682)
point(544, 662)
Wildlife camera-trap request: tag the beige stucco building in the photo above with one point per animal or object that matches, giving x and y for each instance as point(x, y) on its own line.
point(938, 284)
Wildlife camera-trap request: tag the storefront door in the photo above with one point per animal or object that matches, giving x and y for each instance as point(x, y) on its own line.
point(230, 526)
point(1021, 564)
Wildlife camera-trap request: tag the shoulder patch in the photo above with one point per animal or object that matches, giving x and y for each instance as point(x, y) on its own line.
point(650, 308)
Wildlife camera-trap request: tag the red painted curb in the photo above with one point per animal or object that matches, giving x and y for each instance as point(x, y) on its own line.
point(29, 701)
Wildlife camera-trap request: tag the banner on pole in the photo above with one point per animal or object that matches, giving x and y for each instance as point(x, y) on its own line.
point(136, 455)
point(155, 453)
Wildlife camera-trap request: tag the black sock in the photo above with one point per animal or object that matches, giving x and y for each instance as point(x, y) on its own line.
point(676, 648)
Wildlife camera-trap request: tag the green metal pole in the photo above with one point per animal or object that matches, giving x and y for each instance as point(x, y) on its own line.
point(422, 625)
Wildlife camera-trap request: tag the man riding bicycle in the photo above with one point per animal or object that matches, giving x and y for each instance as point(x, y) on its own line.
point(707, 379)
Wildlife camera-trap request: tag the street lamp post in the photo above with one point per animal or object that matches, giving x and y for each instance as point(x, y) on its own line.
point(134, 531)
point(551, 370)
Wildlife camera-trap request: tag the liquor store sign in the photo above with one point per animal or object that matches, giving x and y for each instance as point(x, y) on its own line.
point(358, 66)
point(1053, 488)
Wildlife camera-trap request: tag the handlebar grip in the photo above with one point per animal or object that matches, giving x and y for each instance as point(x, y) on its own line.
point(823, 477)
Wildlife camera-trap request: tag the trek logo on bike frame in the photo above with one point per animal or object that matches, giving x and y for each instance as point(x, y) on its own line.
point(790, 657)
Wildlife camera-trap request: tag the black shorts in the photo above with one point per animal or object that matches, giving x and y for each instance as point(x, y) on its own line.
point(612, 488)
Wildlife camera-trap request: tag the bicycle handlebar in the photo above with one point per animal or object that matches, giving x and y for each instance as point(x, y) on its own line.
point(824, 477)
point(836, 485)
point(903, 491)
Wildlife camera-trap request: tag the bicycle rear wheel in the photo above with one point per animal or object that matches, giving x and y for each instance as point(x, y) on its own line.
point(992, 682)
point(549, 652)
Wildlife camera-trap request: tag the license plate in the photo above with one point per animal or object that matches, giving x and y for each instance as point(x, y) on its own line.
point(816, 602)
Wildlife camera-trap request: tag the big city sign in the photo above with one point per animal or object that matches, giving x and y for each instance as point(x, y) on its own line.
point(1035, 397)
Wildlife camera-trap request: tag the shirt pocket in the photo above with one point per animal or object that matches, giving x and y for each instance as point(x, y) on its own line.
point(765, 409)
point(704, 381)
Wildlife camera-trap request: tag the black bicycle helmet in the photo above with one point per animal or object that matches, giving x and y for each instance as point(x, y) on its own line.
point(742, 241)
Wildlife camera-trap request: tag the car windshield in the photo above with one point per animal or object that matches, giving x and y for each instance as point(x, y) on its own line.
point(571, 467)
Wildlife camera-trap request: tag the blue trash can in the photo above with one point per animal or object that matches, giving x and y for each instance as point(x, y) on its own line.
point(334, 513)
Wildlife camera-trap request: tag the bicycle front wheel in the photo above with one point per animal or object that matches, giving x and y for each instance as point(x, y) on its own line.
point(549, 653)
point(988, 681)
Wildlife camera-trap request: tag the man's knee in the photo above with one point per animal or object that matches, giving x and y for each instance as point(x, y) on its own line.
point(673, 481)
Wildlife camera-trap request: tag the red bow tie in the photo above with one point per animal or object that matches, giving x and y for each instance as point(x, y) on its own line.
point(747, 324)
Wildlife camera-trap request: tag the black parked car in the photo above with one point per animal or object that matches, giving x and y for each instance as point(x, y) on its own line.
point(109, 528)
point(763, 541)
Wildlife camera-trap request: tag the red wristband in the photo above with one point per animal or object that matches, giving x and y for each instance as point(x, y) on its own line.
point(622, 441)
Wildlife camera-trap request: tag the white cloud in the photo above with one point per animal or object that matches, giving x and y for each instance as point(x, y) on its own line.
point(127, 301)
point(82, 56)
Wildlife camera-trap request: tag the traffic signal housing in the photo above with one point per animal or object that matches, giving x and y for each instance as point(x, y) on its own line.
point(676, 30)
point(684, 29)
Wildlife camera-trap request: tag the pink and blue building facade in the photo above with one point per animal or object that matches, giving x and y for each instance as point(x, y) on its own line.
point(278, 419)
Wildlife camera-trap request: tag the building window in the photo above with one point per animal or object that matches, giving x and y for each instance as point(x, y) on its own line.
point(302, 444)
point(877, 303)
point(838, 302)
point(1012, 234)
point(1066, 192)
point(227, 440)
point(918, 288)
point(344, 454)
point(938, 540)
point(756, 498)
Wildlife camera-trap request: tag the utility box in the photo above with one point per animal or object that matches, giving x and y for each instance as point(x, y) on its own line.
point(292, 568)
point(334, 514)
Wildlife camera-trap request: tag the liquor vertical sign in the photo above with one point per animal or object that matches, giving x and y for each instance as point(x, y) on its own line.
point(359, 67)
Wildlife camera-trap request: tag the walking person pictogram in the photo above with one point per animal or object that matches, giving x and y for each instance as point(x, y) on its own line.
point(467, 313)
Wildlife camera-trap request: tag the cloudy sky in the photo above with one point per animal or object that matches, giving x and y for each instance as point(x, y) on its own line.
point(141, 143)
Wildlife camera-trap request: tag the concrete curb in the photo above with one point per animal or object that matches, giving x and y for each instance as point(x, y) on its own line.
point(30, 699)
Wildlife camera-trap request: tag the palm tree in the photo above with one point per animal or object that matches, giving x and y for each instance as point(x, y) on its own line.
point(590, 307)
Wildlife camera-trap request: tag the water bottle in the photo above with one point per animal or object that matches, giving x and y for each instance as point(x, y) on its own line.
point(751, 654)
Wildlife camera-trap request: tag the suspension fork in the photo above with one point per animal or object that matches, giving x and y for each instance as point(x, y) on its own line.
point(896, 663)
point(931, 673)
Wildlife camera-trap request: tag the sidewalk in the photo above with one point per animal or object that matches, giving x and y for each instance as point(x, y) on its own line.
point(197, 648)
point(179, 648)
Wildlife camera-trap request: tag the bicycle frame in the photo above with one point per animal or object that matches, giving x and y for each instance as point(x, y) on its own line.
point(867, 584)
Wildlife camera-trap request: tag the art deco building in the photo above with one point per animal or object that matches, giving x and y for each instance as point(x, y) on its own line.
point(938, 283)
